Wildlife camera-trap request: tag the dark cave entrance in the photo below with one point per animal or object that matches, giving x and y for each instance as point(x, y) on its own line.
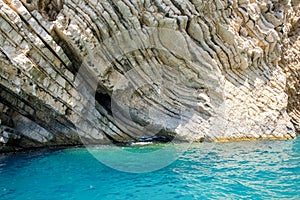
point(104, 100)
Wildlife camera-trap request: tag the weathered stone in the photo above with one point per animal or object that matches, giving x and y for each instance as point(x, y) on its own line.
point(31, 129)
point(124, 70)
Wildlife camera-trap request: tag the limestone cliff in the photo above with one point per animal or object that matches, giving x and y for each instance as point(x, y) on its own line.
point(96, 71)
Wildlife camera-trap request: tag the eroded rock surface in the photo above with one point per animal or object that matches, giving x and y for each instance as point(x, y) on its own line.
point(291, 62)
point(94, 71)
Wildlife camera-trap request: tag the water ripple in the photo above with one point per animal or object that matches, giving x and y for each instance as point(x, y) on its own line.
point(258, 169)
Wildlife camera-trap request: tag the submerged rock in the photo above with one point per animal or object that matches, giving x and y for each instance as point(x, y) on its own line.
point(124, 71)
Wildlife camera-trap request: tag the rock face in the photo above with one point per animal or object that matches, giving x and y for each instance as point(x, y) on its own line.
point(291, 61)
point(91, 71)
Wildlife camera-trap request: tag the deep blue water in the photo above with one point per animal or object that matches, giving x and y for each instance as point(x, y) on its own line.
point(256, 170)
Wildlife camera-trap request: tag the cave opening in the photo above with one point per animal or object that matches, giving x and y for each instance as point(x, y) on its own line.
point(104, 100)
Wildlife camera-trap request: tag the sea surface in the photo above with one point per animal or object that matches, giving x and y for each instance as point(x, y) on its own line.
point(252, 169)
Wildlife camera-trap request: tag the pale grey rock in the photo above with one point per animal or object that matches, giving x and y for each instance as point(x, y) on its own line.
point(31, 129)
point(100, 71)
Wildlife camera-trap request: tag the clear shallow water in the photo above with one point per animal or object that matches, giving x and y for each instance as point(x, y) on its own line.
point(258, 169)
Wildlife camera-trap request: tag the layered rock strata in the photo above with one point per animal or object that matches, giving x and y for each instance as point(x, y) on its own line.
point(91, 71)
point(291, 62)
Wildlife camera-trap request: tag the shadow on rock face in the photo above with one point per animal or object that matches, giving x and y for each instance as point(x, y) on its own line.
point(48, 8)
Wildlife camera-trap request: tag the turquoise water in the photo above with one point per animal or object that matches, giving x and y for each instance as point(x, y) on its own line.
point(257, 170)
